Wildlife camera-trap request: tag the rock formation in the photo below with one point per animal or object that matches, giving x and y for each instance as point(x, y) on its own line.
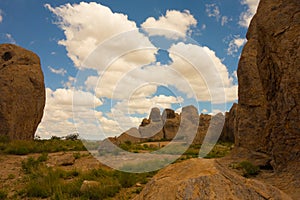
point(22, 89)
point(205, 179)
point(155, 115)
point(230, 126)
point(269, 83)
point(171, 123)
point(187, 126)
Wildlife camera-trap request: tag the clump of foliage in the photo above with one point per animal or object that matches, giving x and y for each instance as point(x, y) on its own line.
point(3, 194)
point(73, 136)
point(220, 150)
point(248, 169)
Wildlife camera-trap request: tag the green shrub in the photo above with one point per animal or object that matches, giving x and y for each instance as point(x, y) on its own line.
point(43, 157)
point(126, 179)
point(3, 194)
point(138, 190)
point(11, 176)
point(4, 139)
point(30, 165)
point(76, 155)
point(73, 136)
point(248, 168)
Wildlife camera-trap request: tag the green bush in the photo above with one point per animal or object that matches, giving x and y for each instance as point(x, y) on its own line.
point(43, 157)
point(77, 155)
point(30, 165)
point(248, 169)
point(126, 179)
point(3, 194)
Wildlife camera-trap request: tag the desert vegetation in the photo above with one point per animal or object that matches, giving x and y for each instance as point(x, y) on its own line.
point(41, 177)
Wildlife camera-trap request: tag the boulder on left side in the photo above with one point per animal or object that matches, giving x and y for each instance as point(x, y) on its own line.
point(22, 92)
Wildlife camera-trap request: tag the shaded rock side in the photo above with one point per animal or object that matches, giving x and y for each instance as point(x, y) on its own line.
point(230, 126)
point(22, 89)
point(205, 179)
point(269, 85)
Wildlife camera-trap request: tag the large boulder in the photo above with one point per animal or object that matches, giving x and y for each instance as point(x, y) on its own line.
point(204, 122)
point(170, 128)
point(205, 179)
point(22, 98)
point(269, 84)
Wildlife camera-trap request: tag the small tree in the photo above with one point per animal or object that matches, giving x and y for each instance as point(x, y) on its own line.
point(54, 137)
point(73, 136)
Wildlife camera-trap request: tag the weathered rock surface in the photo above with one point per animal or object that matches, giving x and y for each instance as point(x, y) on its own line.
point(155, 115)
point(230, 126)
point(168, 114)
point(205, 179)
point(171, 127)
point(64, 160)
point(132, 135)
point(269, 85)
point(22, 89)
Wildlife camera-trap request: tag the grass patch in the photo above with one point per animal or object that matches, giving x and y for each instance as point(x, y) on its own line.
point(47, 182)
point(22, 147)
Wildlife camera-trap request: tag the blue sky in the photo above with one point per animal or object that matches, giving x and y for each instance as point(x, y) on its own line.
point(76, 41)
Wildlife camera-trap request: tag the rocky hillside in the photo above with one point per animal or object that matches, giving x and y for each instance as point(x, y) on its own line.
point(22, 98)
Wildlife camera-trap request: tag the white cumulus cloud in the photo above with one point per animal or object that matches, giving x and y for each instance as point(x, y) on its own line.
point(86, 25)
point(247, 15)
point(235, 44)
point(60, 71)
point(180, 22)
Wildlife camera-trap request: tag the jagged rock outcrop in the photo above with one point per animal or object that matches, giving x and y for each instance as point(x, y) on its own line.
point(145, 122)
point(269, 83)
point(171, 123)
point(204, 121)
point(155, 115)
point(22, 98)
point(168, 114)
point(205, 179)
point(187, 126)
point(230, 126)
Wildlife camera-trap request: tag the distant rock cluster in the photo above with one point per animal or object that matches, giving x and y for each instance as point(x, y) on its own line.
point(22, 88)
point(188, 126)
